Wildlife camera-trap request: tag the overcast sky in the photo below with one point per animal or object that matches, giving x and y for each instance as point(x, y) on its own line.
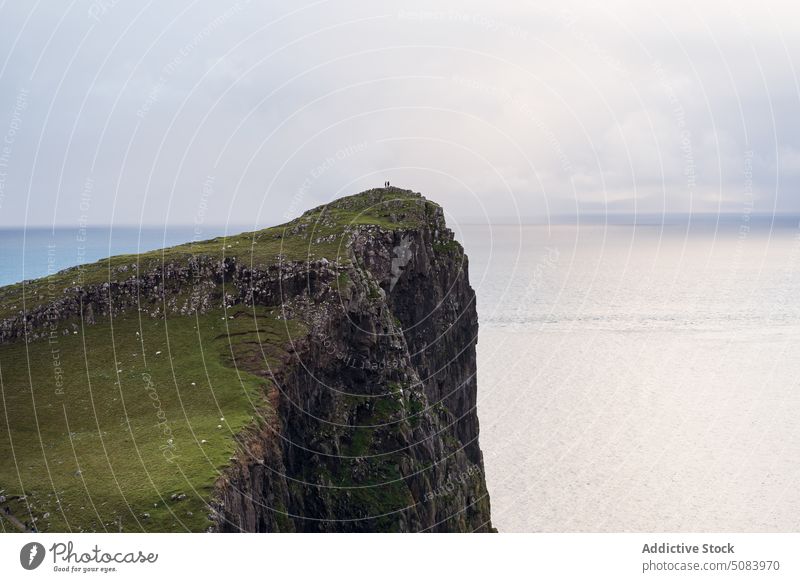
point(174, 112)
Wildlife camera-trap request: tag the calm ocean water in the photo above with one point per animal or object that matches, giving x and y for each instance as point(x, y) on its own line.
point(634, 379)
point(630, 378)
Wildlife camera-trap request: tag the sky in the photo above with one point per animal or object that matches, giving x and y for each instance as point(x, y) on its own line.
point(248, 113)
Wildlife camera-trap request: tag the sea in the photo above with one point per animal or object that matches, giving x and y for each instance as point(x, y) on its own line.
point(639, 378)
point(632, 377)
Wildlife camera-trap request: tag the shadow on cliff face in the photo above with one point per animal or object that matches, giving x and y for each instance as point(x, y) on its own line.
point(341, 344)
point(377, 426)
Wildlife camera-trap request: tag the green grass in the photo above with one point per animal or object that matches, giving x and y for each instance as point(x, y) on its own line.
point(90, 449)
point(317, 234)
point(116, 434)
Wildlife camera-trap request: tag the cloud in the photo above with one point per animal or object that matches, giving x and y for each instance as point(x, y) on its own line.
point(495, 111)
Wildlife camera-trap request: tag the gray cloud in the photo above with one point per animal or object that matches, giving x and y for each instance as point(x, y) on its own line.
point(515, 110)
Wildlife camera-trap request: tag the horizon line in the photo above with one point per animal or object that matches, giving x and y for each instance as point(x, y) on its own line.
point(561, 218)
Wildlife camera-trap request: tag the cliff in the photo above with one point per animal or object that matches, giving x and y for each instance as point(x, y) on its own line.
point(349, 335)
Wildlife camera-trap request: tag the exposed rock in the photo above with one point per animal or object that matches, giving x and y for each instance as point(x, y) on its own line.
point(369, 423)
point(394, 353)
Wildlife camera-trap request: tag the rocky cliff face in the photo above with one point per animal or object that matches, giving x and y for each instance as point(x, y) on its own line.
point(376, 427)
point(368, 421)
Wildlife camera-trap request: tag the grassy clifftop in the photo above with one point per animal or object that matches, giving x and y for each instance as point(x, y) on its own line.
point(126, 423)
point(318, 233)
point(126, 426)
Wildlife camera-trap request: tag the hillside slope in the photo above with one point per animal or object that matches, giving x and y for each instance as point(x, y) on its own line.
point(317, 376)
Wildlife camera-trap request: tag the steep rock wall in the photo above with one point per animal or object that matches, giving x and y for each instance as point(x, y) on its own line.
point(376, 426)
point(370, 423)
